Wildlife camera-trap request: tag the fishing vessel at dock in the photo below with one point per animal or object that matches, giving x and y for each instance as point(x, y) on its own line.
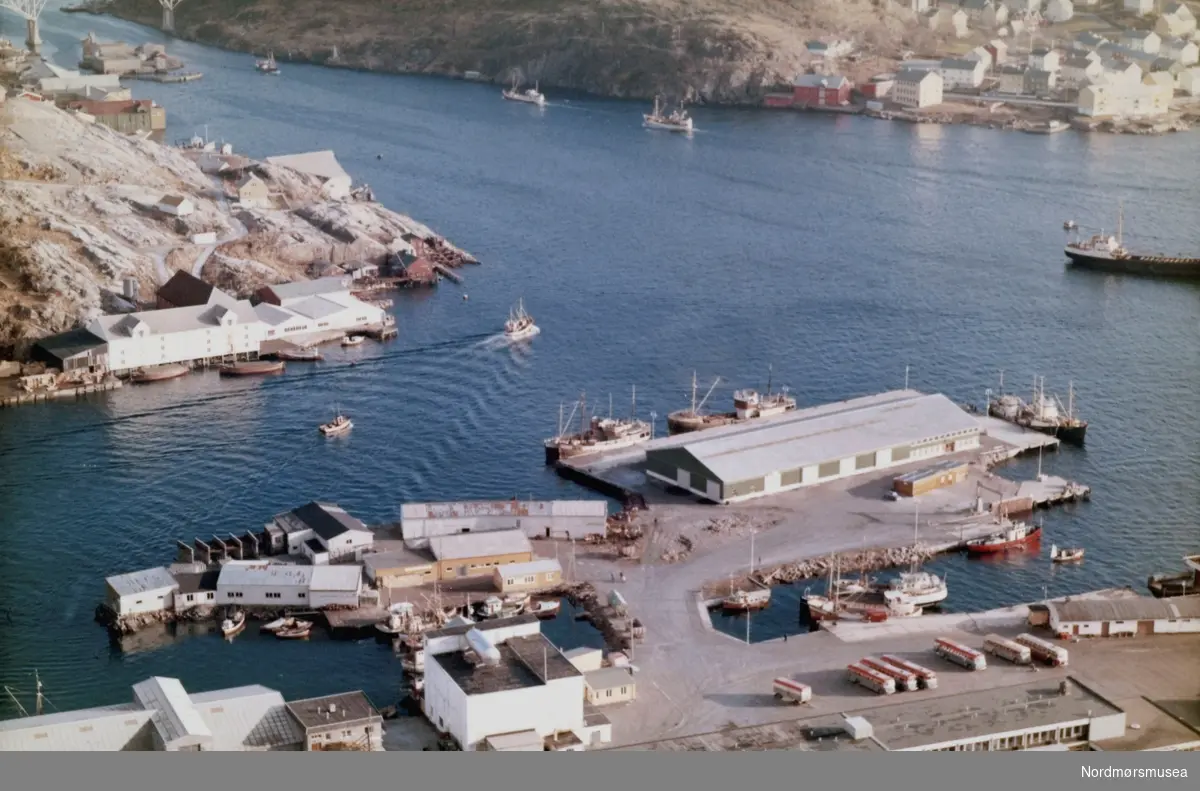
point(748, 405)
point(675, 121)
point(529, 95)
point(1044, 413)
point(1015, 537)
point(874, 606)
point(598, 434)
point(300, 355)
point(916, 587)
point(747, 601)
point(252, 368)
point(1106, 253)
point(159, 373)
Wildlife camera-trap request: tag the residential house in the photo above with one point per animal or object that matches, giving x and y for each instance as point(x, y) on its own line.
point(1124, 100)
point(345, 722)
point(950, 21)
point(998, 50)
point(1088, 41)
point(917, 89)
point(1078, 70)
point(476, 554)
point(1122, 71)
point(959, 73)
point(175, 205)
point(1160, 65)
point(1141, 41)
point(981, 54)
point(819, 90)
point(609, 685)
point(148, 591)
point(1139, 7)
point(1181, 50)
point(185, 290)
point(135, 116)
point(1188, 81)
point(1059, 11)
point(994, 17)
point(1039, 82)
point(324, 533)
point(534, 575)
point(1162, 79)
point(252, 191)
point(1177, 20)
point(1044, 59)
point(320, 165)
point(1012, 80)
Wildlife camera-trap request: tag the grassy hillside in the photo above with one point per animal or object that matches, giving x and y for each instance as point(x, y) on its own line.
point(710, 50)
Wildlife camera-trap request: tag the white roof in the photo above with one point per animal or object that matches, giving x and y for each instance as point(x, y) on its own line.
point(175, 719)
point(475, 508)
point(542, 566)
point(575, 653)
point(826, 433)
point(241, 573)
point(251, 717)
point(336, 578)
point(272, 314)
point(477, 545)
point(102, 729)
point(519, 740)
point(322, 164)
point(316, 307)
point(171, 320)
point(135, 582)
point(302, 289)
point(608, 678)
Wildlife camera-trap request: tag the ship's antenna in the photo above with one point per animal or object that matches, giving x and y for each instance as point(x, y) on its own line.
point(610, 406)
point(582, 412)
point(693, 392)
point(770, 373)
point(633, 405)
point(1120, 222)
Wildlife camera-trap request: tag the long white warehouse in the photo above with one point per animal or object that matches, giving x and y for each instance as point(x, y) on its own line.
point(571, 519)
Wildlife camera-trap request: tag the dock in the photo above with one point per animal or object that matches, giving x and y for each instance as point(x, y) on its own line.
point(43, 396)
point(1048, 490)
point(1012, 440)
point(171, 79)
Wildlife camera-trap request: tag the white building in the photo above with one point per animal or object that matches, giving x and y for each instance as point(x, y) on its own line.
point(49, 79)
point(1044, 60)
point(1121, 72)
point(256, 583)
point(962, 73)
point(1012, 80)
point(917, 89)
point(542, 573)
point(314, 306)
point(196, 589)
point(1125, 617)
point(226, 329)
point(1136, 100)
point(322, 165)
point(1141, 41)
point(1078, 70)
point(1058, 11)
point(1177, 20)
point(151, 590)
point(570, 519)
point(1189, 81)
point(981, 54)
point(812, 446)
point(1139, 7)
point(1182, 51)
point(335, 586)
point(322, 532)
point(175, 205)
point(514, 681)
point(950, 21)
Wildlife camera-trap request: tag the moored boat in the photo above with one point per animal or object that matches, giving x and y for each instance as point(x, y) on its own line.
point(1108, 254)
point(353, 340)
point(1044, 414)
point(277, 624)
point(159, 373)
point(300, 355)
point(299, 630)
point(597, 435)
point(547, 608)
point(235, 623)
point(1016, 537)
point(252, 368)
point(747, 601)
point(748, 404)
point(1065, 554)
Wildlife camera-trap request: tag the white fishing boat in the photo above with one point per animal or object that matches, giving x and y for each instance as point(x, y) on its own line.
point(353, 340)
point(528, 96)
point(520, 325)
point(597, 435)
point(277, 624)
point(1065, 554)
point(339, 425)
point(913, 587)
point(233, 624)
point(268, 66)
point(546, 608)
point(675, 121)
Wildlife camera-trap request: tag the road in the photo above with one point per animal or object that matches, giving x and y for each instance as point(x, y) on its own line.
point(1020, 101)
point(160, 254)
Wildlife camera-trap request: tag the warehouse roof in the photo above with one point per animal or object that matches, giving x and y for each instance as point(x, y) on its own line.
point(478, 545)
point(254, 572)
point(460, 510)
point(541, 566)
point(336, 578)
point(333, 710)
point(171, 320)
point(70, 343)
point(175, 718)
point(825, 433)
point(1140, 608)
point(141, 581)
point(524, 662)
point(184, 289)
point(194, 582)
point(322, 164)
point(395, 559)
point(249, 717)
point(327, 520)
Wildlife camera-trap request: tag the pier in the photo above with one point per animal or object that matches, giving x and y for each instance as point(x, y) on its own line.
point(43, 396)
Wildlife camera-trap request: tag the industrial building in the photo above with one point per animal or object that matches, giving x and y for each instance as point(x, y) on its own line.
point(151, 590)
point(163, 716)
point(1029, 716)
point(322, 532)
point(196, 589)
point(335, 586)
point(1124, 617)
point(258, 583)
point(609, 685)
point(815, 445)
point(927, 479)
point(399, 568)
point(476, 554)
point(504, 678)
point(569, 519)
point(543, 573)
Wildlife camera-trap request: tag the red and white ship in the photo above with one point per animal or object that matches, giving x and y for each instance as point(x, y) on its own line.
point(1016, 537)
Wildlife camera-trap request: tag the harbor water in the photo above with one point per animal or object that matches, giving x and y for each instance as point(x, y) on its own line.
point(837, 249)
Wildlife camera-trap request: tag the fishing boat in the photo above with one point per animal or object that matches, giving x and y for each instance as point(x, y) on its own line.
point(277, 624)
point(1048, 128)
point(547, 608)
point(529, 95)
point(339, 425)
point(747, 601)
point(1105, 253)
point(300, 355)
point(268, 66)
point(490, 607)
point(872, 606)
point(252, 368)
point(520, 324)
point(1016, 537)
point(598, 434)
point(748, 405)
point(353, 340)
point(299, 630)
point(675, 121)
point(159, 373)
point(916, 587)
point(1065, 554)
point(1044, 413)
point(233, 624)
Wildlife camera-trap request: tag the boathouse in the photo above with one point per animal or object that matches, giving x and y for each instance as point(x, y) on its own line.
point(253, 583)
point(322, 532)
point(147, 591)
point(810, 446)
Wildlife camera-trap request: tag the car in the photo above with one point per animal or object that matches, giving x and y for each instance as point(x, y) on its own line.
point(891, 495)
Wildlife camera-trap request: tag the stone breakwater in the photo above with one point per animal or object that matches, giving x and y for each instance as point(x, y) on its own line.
point(866, 560)
point(129, 624)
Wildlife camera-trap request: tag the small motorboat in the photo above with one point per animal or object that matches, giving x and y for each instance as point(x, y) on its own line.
point(233, 624)
point(277, 624)
point(546, 608)
point(339, 425)
point(353, 340)
point(299, 630)
point(159, 373)
point(252, 368)
point(1065, 554)
point(301, 355)
point(745, 601)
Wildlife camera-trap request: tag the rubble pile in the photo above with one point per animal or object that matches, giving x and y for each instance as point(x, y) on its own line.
point(863, 561)
point(676, 554)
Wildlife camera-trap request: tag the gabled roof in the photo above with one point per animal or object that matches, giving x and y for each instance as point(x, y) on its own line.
point(322, 164)
point(914, 75)
point(185, 289)
point(174, 717)
point(309, 288)
point(68, 344)
point(316, 307)
point(834, 81)
point(141, 581)
point(336, 578)
point(476, 545)
point(327, 520)
point(272, 314)
point(170, 320)
point(961, 63)
point(249, 179)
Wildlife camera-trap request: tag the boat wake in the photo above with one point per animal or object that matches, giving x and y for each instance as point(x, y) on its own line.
point(502, 341)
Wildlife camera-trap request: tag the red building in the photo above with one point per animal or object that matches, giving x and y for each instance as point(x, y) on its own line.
point(878, 87)
point(820, 90)
point(777, 100)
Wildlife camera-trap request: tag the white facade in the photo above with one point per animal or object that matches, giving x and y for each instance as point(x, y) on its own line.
point(962, 73)
point(1058, 11)
point(151, 590)
point(571, 519)
point(259, 584)
point(1044, 60)
point(1124, 100)
point(175, 205)
point(174, 335)
point(1126, 617)
point(335, 585)
point(1189, 81)
point(1012, 81)
point(1181, 51)
point(1177, 20)
point(1139, 7)
point(917, 89)
point(1141, 41)
point(981, 54)
point(1080, 71)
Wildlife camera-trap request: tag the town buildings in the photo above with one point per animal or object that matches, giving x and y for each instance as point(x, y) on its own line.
point(1141, 41)
point(479, 554)
point(117, 57)
point(1121, 99)
point(133, 116)
point(339, 722)
point(819, 90)
point(151, 590)
point(814, 445)
point(1176, 20)
point(960, 73)
point(50, 79)
point(185, 290)
point(1183, 51)
point(569, 519)
point(998, 50)
point(949, 21)
point(1044, 59)
point(1039, 82)
point(253, 192)
point(1012, 80)
point(175, 205)
point(534, 575)
point(334, 586)
point(917, 89)
point(1124, 617)
point(322, 532)
point(1078, 71)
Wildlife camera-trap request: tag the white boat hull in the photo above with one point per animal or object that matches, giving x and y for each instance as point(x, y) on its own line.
point(667, 127)
point(521, 335)
point(539, 101)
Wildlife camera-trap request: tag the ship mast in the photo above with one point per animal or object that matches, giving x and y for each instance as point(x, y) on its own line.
point(1071, 401)
point(704, 400)
point(1120, 222)
point(583, 426)
point(693, 392)
point(633, 404)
